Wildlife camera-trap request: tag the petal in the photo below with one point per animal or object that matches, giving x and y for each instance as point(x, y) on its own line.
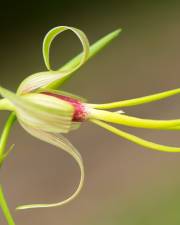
point(94, 49)
point(38, 80)
point(54, 79)
point(42, 111)
point(60, 142)
point(131, 121)
point(137, 101)
point(56, 31)
point(42, 79)
point(65, 93)
point(135, 139)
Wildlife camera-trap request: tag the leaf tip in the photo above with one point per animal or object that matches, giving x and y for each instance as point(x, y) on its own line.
point(116, 32)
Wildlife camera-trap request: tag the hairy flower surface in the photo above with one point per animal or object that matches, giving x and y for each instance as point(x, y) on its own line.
point(46, 112)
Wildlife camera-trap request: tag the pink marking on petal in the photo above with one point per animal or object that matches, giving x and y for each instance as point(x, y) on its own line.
point(80, 112)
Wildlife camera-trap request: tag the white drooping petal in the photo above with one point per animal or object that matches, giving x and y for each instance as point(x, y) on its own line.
point(60, 142)
point(43, 79)
point(41, 111)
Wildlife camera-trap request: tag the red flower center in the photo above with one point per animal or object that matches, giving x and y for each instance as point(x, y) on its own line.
point(79, 112)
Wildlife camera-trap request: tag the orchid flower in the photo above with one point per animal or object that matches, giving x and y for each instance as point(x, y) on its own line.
point(47, 113)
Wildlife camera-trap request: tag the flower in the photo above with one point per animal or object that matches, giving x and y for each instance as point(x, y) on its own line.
point(46, 112)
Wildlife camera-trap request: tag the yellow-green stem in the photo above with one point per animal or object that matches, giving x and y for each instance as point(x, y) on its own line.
point(3, 142)
point(5, 133)
point(5, 209)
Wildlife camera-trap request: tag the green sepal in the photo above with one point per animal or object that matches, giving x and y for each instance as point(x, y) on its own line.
point(137, 101)
point(94, 49)
point(135, 139)
point(44, 79)
point(114, 117)
point(50, 36)
point(54, 79)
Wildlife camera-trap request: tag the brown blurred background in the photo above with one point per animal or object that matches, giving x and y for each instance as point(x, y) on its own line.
point(125, 184)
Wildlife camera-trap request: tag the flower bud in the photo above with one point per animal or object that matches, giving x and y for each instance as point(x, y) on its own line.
point(80, 112)
point(42, 111)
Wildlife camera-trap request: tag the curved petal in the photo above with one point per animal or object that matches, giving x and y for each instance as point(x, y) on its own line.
point(65, 93)
point(137, 101)
point(135, 139)
point(58, 30)
point(43, 79)
point(60, 142)
point(114, 117)
point(54, 79)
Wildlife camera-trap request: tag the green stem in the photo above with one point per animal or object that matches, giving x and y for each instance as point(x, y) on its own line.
point(5, 209)
point(3, 141)
point(5, 134)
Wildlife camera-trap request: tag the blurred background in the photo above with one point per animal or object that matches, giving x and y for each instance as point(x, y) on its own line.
point(125, 184)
